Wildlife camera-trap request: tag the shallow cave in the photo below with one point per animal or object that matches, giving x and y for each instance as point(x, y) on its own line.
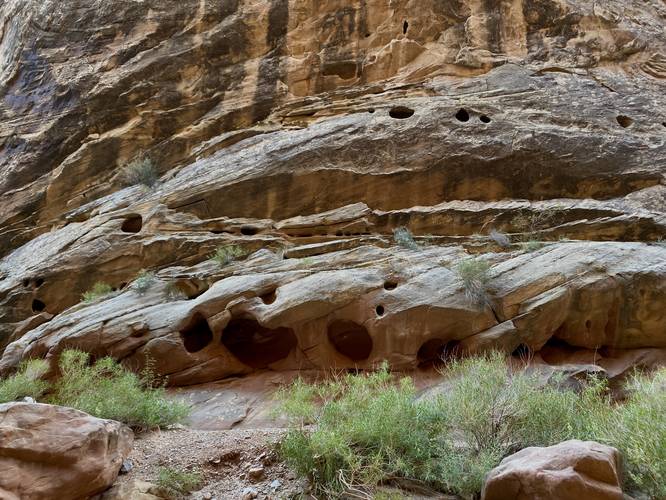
point(390, 285)
point(435, 352)
point(401, 112)
point(197, 335)
point(350, 339)
point(269, 297)
point(38, 305)
point(624, 121)
point(132, 224)
point(249, 230)
point(523, 351)
point(255, 345)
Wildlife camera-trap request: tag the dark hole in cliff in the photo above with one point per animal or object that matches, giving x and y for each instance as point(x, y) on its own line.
point(435, 352)
point(624, 121)
point(350, 339)
point(371, 110)
point(249, 230)
point(38, 305)
point(462, 115)
point(405, 27)
point(390, 285)
point(401, 112)
point(556, 351)
point(484, 118)
point(379, 310)
point(39, 282)
point(25, 282)
point(132, 224)
point(197, 334)
point(588, 324)
point(255, 345)
point(269, 298)
point(343, 69)
point(523, 351)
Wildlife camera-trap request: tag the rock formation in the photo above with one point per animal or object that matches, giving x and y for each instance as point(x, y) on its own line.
point(55, 452)
point(566, 471)
point(305, 133)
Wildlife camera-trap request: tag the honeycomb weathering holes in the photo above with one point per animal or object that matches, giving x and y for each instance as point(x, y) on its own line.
point(132, 224)
point(350, 339)
point(197, 335)
point(401, 112)
point(255, 345)
point(462, 115)
point(624, 121)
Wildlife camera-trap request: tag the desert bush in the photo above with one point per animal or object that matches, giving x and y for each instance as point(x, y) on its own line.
point(475, 278)
point(177, 484)
point(227, 254)
point(144, 281)
point(638, 429)
point(140, 171)
point(99, 290)
point(532, 245)
point(356, 432)
point(172, 292)
point(403, 237)
point(107, 390)
point(26, 382)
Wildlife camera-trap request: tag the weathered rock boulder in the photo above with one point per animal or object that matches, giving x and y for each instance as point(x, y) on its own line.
point(572, 470)
point(49, 452)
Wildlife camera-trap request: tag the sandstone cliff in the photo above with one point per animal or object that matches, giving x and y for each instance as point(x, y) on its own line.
point(305, 133)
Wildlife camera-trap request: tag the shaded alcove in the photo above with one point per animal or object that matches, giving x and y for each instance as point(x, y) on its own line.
point(435, 352)
point(38, 305)
point(350, 339)
point(197, 335)
point(256, 345)
point(132, 224)
point(401, 112)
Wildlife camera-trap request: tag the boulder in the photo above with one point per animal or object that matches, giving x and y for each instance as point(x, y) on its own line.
point(52, 452)
point(571, 470)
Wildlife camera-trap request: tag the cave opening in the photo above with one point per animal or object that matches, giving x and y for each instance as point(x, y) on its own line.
point(38, 305)
point(523, 351)
point(390, 285)
point(255, 345)
point(484, 119)
point(624, 121)
point(249, 230)
point(197, 335)
point(380, 310)
point(269, 297)
point(405, 27)
point(401, 112)
point(350, 339)
point(132, 224)
point(436, 352)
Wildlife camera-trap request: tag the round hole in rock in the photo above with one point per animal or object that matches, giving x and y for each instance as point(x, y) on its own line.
point(484, 118)
point(380, 310)
point(39, 282)
point(132, 224)
point(197, 335)
point(437, 351)
point(390, 285)
point(249, 230)
point(523, 351)
point(255, 345)
point(25, 282)
point(350, 339)
point(371, 110)
point(401, 112)
point(405, 27)
point(38, 305)
point(462, 115)
point(624, 121)
point(588, 324)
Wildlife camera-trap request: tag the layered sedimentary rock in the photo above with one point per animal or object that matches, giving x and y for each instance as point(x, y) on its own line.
point(305, 134)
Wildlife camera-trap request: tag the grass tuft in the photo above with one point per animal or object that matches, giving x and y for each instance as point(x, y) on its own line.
point(98, 291)
point(474, 273)
point(177, 484)
point(144, 281)
point(140, 171)
point(226, 254)
point(403, 237)
point(26, 382)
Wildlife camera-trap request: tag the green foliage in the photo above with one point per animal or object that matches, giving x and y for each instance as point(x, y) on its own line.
point(638, 429)
point(475, 278)
point(227, 254)
point(98, 291)
point(177, 484)
point(106, 390)
point(368, 430)
point(532, 245)
point(140, 171)
point(26, 382)
point(144, 281)
point(172, 292)
point(403, 237)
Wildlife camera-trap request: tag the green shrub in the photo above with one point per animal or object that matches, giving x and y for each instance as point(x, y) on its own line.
point(532, 245)
point(144, 281)
point(26, 382)
point(172, 292)
point(368, 430)
point(227, 254)
point(107, 390)
point(98, 291)
point(177, 484)
point(403, 237)
point(140, 171)
point(475, 277)
point(638, 429)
